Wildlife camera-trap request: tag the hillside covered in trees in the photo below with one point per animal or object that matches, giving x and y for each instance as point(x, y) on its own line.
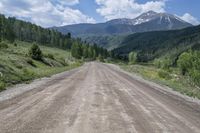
point(169, 56)
point(13, 29)
point(107, 41)
point(29, 51)
point(156, 44)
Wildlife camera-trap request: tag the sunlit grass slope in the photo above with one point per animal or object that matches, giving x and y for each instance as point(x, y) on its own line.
point(16, 65)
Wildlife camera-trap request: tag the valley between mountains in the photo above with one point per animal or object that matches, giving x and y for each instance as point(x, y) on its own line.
point(126, 75)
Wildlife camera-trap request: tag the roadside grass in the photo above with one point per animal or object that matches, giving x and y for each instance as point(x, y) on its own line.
point(170, 78)
point(17, 67)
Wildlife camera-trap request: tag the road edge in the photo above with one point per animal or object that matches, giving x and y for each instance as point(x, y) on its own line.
point(19, 89)
point(159, 87)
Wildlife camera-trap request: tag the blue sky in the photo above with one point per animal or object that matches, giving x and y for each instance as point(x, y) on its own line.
point(49, 13)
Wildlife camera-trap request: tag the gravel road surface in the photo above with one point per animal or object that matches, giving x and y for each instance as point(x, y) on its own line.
point(96, 98)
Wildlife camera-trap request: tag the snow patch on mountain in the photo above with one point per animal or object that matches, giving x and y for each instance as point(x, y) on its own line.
point(147, 17)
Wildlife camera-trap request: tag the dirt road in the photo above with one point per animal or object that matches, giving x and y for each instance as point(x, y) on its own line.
point(98, 98)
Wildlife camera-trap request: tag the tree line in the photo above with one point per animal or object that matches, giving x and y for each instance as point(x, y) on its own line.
point(80, 50)
point(12, 29)
point(155, 44)
point(187, 62)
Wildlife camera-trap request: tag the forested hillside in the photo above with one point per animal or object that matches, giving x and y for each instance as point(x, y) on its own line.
point(13, 29)
point(151, 45)
point(29, 51)
point(107, 41)
point(170, 57)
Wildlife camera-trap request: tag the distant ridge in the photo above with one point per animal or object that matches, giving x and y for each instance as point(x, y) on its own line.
point(149, 21)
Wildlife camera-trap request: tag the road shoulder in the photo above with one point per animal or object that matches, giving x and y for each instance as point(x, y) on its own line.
point(159, 87)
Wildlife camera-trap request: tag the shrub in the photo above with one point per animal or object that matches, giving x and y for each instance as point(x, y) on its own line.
point(15, 44)
point(185, 62)
point(3, 45)
point(157, 63)
point(100, 58)
point(189, 63)
point(166, 63)
point(50, 56)
point(35, 52)
point(2, 85)
point(132, 57)
point(195, 75)
point(164, 74)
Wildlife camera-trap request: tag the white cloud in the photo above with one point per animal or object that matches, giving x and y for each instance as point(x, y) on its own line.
point(190, 19)
point(68, 2)
point(112, 9)
point(44, 12)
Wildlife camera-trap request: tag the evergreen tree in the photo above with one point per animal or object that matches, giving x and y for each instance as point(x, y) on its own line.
point(35, 52)
point(90, 52)
point(85, 51)
point(10, 35)
point(76, 50)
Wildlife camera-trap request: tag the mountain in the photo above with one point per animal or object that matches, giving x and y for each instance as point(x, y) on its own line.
point(169, 20)
point(156, 44)
point(149, 21)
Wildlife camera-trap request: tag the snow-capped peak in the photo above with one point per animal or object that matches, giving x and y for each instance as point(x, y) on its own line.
point(145, 17)
point(158, 18)
point(148, 14)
